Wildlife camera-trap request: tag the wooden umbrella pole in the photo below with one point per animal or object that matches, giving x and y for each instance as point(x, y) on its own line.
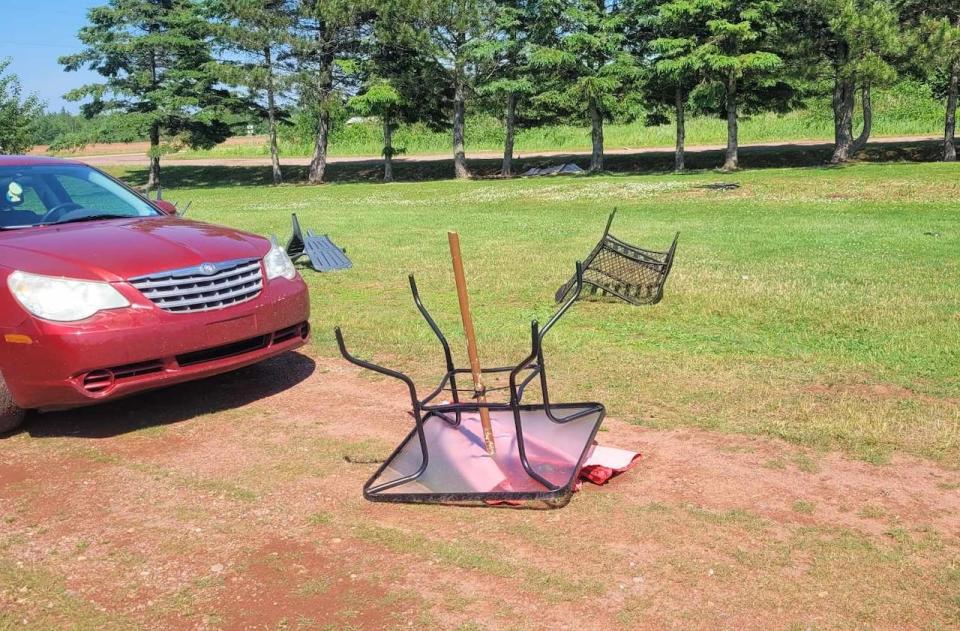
point(464, 299)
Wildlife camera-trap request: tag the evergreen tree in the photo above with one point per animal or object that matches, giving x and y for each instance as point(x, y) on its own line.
point(326, 40)
point(254, 36)
point(936, 24)
point(857, 44)
point(726, 51)
point(381, 98)
point(399, 84)
point(453, 30)
point(17, 113)
point(504, 56)
point(669, 35)
point(155, 58)
point(589, 67)
point(739, 55)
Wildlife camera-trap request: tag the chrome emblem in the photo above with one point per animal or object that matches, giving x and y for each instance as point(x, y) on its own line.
point(207, 268)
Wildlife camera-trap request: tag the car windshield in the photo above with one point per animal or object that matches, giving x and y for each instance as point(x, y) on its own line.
point(36, 195)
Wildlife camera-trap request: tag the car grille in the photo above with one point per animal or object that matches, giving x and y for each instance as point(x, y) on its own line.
point(196, 289)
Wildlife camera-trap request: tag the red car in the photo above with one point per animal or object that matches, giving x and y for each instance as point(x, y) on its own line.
point(104, 293)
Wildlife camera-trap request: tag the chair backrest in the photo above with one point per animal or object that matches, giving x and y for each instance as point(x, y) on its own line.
point(618, 269)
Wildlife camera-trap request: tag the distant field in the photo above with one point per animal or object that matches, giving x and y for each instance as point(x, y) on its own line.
point(907, 111)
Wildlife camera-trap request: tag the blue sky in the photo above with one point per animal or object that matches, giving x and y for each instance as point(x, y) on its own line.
point(35, 34)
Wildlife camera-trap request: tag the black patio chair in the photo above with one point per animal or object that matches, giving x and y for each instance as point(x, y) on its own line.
point(616, 269)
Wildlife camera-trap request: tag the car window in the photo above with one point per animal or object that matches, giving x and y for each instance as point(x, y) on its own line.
point(20, 204)
point(30, 200)
point(62, 193)
point(92, 195)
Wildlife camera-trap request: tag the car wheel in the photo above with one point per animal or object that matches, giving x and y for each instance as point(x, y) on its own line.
point(11, 415)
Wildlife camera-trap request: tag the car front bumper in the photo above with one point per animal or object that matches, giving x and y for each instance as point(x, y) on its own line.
point(116, 353)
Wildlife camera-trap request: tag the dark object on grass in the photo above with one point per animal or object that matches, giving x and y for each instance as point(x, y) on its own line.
point(567, 168)
point(720, 186)
point(616, 269)
point(323, 254)
point(540, 449)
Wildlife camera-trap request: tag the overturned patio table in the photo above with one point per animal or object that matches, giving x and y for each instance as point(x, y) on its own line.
point(540, 447)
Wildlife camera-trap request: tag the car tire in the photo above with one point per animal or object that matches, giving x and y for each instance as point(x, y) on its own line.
point(11, 414)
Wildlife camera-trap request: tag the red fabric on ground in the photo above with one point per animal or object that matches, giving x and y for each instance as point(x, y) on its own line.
point(604, 463)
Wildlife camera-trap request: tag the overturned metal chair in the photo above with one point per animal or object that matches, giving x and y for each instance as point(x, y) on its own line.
point(615, 269)
point(323, 254)
point(540, 449)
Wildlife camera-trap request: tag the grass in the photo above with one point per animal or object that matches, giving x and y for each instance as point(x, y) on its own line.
point(906, 110)
point(794, 303)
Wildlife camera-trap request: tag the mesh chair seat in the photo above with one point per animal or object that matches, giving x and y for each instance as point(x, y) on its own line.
point(615, 269)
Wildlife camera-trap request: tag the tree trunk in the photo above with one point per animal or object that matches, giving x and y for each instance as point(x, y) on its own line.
point(843, 101)
point(596, 136)
point(681, 130)
point(837, 108)
point(387, 149)
point(867, 104)
point(318, 163)
point(509, 118)
point(732, 161)
point(950, 127)
point(459, 109)
point(153, 178)
point(272, 118)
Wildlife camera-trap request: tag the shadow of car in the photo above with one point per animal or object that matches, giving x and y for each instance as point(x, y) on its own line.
point(174, 404)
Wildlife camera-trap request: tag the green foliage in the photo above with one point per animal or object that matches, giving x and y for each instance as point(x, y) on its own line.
point(905, 109)
point(504, 55)
point(935, 45)
point(380, 99)
point(252, 37)
point(855, 40)
point(586, 60)
point(325, 41)
point(155, 58)
point(17, 112)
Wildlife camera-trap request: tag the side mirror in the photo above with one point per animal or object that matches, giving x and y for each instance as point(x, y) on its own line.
point(166, 207)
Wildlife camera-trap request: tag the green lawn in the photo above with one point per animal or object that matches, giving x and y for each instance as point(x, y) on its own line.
point(817, 305)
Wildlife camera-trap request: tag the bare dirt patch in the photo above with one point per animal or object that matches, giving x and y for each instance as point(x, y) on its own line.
point(875, 391)
point(247, 515)
point(301, 585)
point(12, 474)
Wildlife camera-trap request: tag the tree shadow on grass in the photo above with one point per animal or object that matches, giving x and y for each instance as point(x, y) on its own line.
point(178, 175)
point(176, 403)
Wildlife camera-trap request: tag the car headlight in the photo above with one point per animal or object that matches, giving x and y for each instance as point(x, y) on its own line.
point(277, 263)
point(63, 299)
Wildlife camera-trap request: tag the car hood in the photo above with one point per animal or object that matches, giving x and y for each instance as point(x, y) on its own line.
point(118, 249)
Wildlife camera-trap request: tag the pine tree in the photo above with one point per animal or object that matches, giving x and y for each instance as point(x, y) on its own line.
point(504, 57)
point(155, 58)
point(452, 31)
point(381, 98)
point(589, 67)
point(669, 35)
point(326, 40)
point(857, 44)
point(398, 77)
point(253, 36)
point(17, 113)
point(936, 24)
